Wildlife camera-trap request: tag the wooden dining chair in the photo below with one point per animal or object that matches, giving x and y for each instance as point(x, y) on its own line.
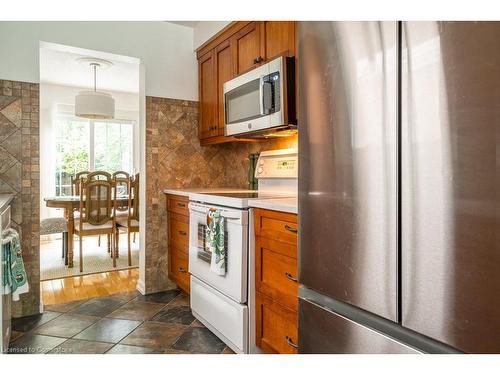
point(105, 176)
point(122, 189)
point(99, 175)
point(96, 203)
point(120, 174)
point(131, 221)
point(76, 182)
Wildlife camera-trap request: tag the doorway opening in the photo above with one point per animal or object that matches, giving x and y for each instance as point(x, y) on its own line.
point(84, 139)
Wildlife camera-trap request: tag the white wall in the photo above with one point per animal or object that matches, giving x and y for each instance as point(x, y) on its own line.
point(204, 30)
point(53, 97)
point(166, 50)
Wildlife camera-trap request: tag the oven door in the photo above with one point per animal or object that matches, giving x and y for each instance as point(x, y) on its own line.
point(253, 101)
point(234, 283)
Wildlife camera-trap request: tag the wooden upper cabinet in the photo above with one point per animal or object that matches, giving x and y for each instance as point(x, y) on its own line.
point(224, 73)
point(207, 82)
point(247, 48)
point(279, 39)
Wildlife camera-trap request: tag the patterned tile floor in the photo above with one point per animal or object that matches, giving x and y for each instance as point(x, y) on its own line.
point(126, 323)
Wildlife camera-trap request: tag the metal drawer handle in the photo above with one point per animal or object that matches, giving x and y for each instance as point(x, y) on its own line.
point(290, 342)
point(290, 229)
point(181, 205)
point(182, 270)
point(257, 60)
point(290, 277)
point(182, 233)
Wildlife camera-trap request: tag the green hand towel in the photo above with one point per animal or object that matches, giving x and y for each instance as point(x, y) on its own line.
point(14, 274)
point(216, 242)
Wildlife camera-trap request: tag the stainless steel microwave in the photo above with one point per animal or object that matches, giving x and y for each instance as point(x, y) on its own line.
point(261, 102)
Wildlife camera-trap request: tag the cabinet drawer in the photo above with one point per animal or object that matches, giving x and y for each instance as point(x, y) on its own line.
point(178, 234)
point(178, 204)
point(276, 271)
point(179, 268)
point(276, 326)
point(276, 225)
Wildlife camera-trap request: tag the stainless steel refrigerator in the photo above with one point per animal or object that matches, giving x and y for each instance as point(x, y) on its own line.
point(399, 187)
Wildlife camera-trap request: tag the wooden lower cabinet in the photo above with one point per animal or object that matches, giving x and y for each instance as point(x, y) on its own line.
point(279, 226)
point(276, 282)
point(277, 330)
point(179, 268)
point(276, 271)
point(178, 231)
point(178, 241)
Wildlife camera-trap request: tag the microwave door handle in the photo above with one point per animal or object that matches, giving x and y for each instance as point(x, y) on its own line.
point(261, 95)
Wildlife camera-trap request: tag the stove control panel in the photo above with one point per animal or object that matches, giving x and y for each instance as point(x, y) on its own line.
point(278, 164)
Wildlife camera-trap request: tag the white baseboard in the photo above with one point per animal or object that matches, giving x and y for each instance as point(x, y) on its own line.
point(141, 287)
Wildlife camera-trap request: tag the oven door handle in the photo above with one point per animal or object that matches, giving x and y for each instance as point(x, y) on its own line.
point(201, 210)
point(204, 211)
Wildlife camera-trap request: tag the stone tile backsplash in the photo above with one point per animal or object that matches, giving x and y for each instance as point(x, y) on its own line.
point(175, 159)
point(19, 175)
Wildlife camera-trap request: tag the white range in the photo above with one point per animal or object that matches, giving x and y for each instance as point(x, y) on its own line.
point(225, 304)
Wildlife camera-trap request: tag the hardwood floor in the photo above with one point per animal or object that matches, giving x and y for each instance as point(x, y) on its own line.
point(88, 286)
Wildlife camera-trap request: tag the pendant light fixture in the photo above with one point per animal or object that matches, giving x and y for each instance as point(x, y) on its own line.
point(95, 104)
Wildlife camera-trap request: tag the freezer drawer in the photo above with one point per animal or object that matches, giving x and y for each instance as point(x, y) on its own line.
point(324, 332)
point(451, 183)
point(348, 174)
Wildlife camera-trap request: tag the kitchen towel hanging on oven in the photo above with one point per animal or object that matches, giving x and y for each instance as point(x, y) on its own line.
point(14, 278)
point(215, 242)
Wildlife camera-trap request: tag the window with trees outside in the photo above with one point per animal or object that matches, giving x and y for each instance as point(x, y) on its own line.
point(91, 145)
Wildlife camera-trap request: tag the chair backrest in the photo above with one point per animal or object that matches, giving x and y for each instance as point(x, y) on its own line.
point(99, 175)
point(76, 182)
point(96, 202)
point(120, 174)
point(121, 193)
point(133, 198)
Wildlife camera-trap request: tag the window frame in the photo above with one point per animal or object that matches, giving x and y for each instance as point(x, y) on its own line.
point(91, 150)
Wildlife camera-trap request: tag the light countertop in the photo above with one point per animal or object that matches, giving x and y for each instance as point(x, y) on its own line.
point(188, 192)
point(5, 199)
point(289, 205)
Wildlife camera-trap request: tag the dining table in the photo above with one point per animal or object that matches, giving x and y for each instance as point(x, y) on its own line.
point(71, 203)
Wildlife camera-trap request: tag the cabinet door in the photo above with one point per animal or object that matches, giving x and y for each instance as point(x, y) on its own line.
point(247, 48)
point(208, 95)
point(224, 74)
point(276, 326)
point(178, 269)
point(279, 39)
point(276, 271)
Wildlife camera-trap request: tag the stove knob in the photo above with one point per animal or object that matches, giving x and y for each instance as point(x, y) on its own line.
point(260, 170)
